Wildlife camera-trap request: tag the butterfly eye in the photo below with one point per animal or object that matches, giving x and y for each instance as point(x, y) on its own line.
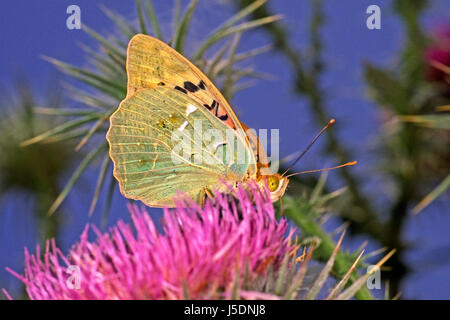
point(273, 182)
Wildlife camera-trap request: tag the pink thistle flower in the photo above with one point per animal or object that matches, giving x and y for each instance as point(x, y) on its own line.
point(198, 254)
point(437, 55)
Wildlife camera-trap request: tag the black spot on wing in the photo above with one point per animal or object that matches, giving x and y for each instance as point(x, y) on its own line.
point(189, 86)
point(210, 107)
point(161, 84)
point(224, 117)
point(217, 109)
point(180, 89)
point(201, 85)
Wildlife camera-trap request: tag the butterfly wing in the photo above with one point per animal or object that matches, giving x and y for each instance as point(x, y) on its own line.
point(149, 138)
point(151, 62)
point(258, 151)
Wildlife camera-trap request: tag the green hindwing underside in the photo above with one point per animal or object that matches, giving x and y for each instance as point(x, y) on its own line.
point(163, 142)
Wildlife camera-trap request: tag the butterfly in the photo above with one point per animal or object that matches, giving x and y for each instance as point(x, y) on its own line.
point(168, 95)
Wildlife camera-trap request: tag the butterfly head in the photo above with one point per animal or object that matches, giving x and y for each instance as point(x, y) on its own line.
point(277, 186)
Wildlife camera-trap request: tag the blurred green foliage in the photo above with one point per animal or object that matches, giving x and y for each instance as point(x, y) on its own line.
point(35, 170)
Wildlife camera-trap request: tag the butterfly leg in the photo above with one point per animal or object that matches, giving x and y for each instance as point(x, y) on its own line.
point(209, 193)
point(202, 197)
point(206, 193)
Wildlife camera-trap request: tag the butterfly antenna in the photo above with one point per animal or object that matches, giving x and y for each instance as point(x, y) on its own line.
point(325, 169)
point(329, 124)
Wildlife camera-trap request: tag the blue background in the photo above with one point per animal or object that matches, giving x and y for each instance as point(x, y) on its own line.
point(29, 29)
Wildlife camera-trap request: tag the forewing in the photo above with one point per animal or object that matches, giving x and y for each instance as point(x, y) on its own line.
point(152, 62)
